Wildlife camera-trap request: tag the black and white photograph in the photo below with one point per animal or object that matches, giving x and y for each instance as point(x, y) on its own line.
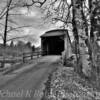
point(49, 49)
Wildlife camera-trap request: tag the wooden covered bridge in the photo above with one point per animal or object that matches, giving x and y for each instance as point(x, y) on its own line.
point(54, 42)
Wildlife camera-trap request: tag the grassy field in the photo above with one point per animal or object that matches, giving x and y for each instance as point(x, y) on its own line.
point(13, 51)
point(12, 54)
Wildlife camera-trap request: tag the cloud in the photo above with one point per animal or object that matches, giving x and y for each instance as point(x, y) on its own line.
point(31, 17)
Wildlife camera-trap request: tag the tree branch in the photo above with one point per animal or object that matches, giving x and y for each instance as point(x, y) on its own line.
point(16, 28)
point(17, 37)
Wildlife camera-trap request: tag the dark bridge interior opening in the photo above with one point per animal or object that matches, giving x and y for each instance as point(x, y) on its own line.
point(53, 45)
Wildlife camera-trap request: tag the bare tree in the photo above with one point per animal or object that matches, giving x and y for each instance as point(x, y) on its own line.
point(6, 21)
point(6, 12)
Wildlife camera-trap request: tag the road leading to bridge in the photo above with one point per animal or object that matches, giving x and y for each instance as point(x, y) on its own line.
point(29, 84)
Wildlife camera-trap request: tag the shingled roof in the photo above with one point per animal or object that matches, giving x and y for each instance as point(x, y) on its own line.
point(56, 32)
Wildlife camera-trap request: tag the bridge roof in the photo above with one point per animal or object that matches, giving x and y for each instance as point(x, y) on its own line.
point(56, 32)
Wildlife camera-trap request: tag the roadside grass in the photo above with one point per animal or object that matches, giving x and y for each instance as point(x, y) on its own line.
point(13, 55)
point(13, 51)
point(66, 84)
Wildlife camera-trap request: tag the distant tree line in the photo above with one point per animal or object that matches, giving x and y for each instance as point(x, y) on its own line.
point(22, 44)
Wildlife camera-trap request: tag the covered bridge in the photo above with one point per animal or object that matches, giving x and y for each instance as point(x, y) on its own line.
point(54, 42)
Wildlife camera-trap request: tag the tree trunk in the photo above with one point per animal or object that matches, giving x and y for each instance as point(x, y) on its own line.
point(78, 67)
point(6, 23)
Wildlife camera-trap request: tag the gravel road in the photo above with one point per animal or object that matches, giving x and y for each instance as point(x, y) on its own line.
point(28, 84)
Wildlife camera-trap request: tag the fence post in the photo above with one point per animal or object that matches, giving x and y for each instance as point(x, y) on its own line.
point(32, 55)
point(23, 57)
point(3, 63)
point(37, 54)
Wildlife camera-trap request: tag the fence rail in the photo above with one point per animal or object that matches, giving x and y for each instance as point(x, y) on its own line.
point(31, 55)
point(22, 58)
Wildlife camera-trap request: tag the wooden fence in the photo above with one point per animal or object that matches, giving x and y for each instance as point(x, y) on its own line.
point(31, 55)
point(22, 58)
